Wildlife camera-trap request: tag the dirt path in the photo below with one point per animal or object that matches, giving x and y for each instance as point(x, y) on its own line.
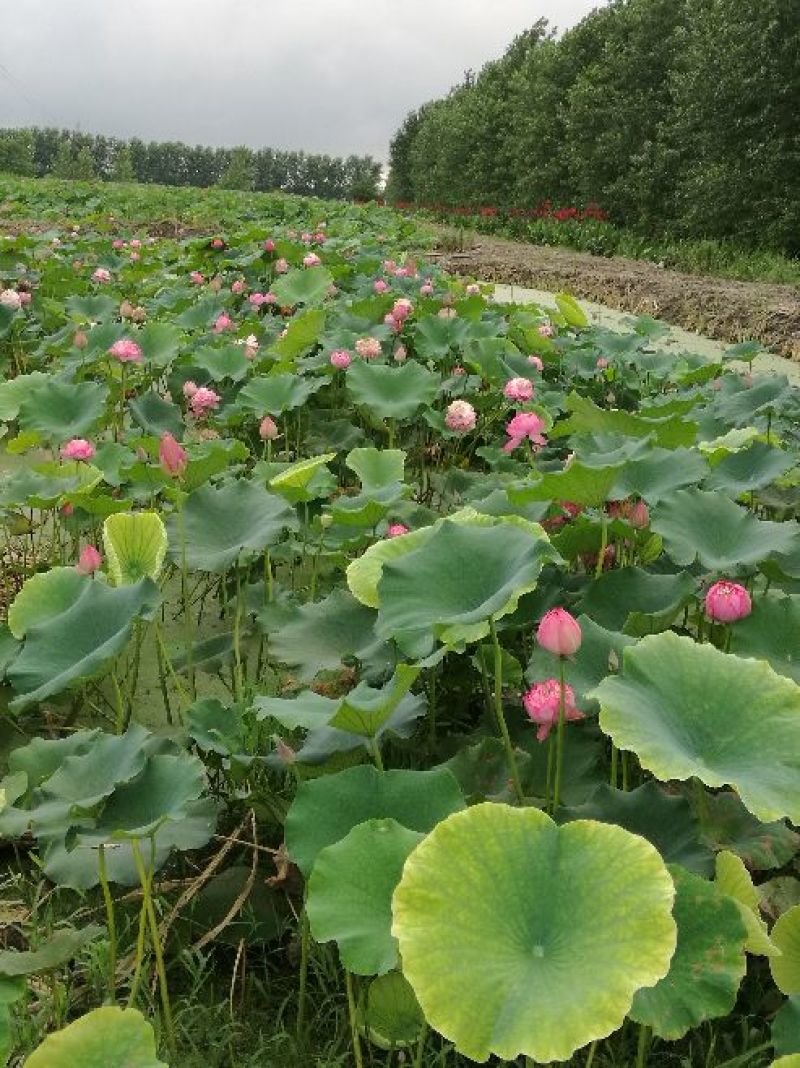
point(717, 307)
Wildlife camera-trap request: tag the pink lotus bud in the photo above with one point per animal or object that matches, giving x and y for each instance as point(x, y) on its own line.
point(78, 449)
point(341, 359)
point(136, 243)
point(545, 330)
point(238, 286)
point(639, 515)
point(402, 309)
point(473, 290)
point(80, 340)
point(320, 238)
point(536, 362)
point(203, 401)
point(89, 561)
point(602, 363)
point(126, 351)
point(380, 286)
point(172, 456)
point(396, 530)
point(543, 706)
point(118, 243)
point(66, 510)
point(400, 354)
point(393, 324)
point(269, 245)
point(223, 322)
point(197, 278)
point(518, 389)
point(311, 260)
point(460, 417)
point(218, 243)
point(426, 289)
point(281, 266)
point(101, 275)
point(728, 601)
point(559, 633)
point(268, 429)
point(189, 389)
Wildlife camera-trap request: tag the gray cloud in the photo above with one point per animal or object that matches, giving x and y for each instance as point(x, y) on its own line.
point(323, 75)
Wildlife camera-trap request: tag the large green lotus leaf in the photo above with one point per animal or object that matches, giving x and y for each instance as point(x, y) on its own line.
point(135, 545)
point(159, 343)
point(391, 392)
point(14, 390)
point(79, 643)
point(733, 879)
point(209, 458)
point(55, 952)
point(309, 710)
point(771, 632)
point(392, 1017)
point(505, 921)
point(48, 484)
point(726, 824)
point(708, 966)
point(11, 990)
point(365, 709)
point(302, 333)
point(91, 308)
point(689, 710)
point(636, 602)
point(104, 1038)
point(155, 415)
point(275, 394)
point(369, 508)
point(709, 527)
point(350, 893)
point(750, 469)
point(600, 651)
point(785, 1031)
point(319, 635)
point(740, 406)
point(44, 595)
point(664, 819)
point(377, 468)
point(786, 936)
point(462, 576)
point(61, 410)
point(659, 473)
point(41, 757)
point(223, 523)
point(587, 417)
point(220, 363)
point(582, 485)
point(793, 1061)
point(215, 727)
point(325, 810)
point(308, 286)
point(434, 337)
point(299, 475)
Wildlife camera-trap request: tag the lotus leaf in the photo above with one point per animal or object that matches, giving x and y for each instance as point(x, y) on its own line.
point(44, 594)
point(785, 936)
point(391, 392)
point(135, 546)
point(104, 1038)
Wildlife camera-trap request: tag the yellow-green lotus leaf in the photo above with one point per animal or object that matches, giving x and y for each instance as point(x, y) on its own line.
point(786, 967)
point(135, 545)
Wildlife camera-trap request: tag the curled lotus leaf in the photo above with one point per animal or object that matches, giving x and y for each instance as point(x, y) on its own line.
point(135, 545)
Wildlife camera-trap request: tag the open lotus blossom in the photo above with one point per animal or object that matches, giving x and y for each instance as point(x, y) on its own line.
point(281, 266)
point(306, 238)
point(267, 429)
point(341, 359)
point(381, 286)
point(395, 530)
point(542, 703)
point(101, 275)
point(402, 309)
point(518, 389)
point(10, 298)
point(89, 561)
point(393, 324)
point(78, 449)
point(118, 243)
point(136, 243)
point(172, 456)
point(223, 322)
point(460, 417)
point(25, 298)
point(251, 345)
point(535, 361)
point(524, 425)
point(203, 401)
point(197, 278)
point(269, 245)
point(311, 260)
point(189, 389)
point(727, 601)
point(126, 351)
point(545, 330)
point(559, 632)
point(473, 290)
point(237, 286)
point(602, 363)
point(426, 289)
point(368, 348)
point(400, 353)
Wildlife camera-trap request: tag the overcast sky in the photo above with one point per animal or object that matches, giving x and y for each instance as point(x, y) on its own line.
point(333, 76)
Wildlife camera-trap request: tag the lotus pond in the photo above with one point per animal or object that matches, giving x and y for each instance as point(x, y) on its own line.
point(389, 675)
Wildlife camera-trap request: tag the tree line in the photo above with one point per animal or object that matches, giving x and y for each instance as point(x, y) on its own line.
point(675, 116)
point(69, 154)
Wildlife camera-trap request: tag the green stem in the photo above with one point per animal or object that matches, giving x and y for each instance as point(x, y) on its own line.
point(119, 701)
point(155, 938)
point(560, 735)
point(112, 923)
point(549, 781)
point(590, 1057)
point(162, 680)
point(238, 675)
point(187, 623)
point(168, 663)
point(351, 1008)
point(375, 752)
point(641, 1049)
point(598, 570)
point(305, 945)
point(614, 758)
point(268, 588)
point(137, 974)
point(423, 1038)
point(624, 762)
point(501, 719)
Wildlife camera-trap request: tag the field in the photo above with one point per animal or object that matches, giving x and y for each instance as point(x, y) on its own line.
point(389, 676)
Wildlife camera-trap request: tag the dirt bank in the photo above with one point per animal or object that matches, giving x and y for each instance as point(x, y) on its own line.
point(717, 307)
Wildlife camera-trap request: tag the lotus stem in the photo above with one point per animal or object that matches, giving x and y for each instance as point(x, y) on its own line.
point(501, 719)
point(375, 752)
point(238, 675)
point(614, 759)
point(590, 1055)
point(598, 569)
point(187, 623)
point(120, 704)
point(155, 937)
point(423, 1038)
point(111, 921)
point(560, 736)
point(642, 1047)
point(351, 1008)
point(305, 945)
point(624, 762)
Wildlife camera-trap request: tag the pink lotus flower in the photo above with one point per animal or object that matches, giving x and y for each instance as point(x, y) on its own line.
point(223, 322)
point(320, 238)
point(281, 266)
point(89, 561)
point(134, 257)
point(126, 351)
point(368, 348)
point(251, 345)
point(311, 260)
point(459, 370)
point(726, 602)
point(136, 243)
point(393, 324)
point(341, 359)
point(524, 425)
point(267, 429)
point(426, 289)
point(218, 243)
point(402, 309)
point(78, 449)
point(447, 313)
point(602, 363)
point(197, 278)
point(101, 275)
point(545, 330)
point(518, 389)
point(543, 704)
point(402, 272)
point(473, 290)
point(396, 530)
point(400, 353)
point(172, 456)
point(536, 362)
point(237, 286)
point(118, 243)
point(25, 298)
point(10, 298)
point(80, 340)
point(460, 417)
point(189, 389)
point(635, 513)
point(559, 632)
point(380, 286)
point(390, 266)
point(306, 238)
point(203, 401)
point(66, 510)
point(269, 245)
